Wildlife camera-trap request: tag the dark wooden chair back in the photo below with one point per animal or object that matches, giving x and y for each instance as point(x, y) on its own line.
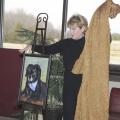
point(114, 105)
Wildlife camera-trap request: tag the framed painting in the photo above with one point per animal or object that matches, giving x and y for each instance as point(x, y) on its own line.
point(34, 79)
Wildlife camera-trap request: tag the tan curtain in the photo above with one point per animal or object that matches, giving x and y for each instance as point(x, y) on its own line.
point(93, 97)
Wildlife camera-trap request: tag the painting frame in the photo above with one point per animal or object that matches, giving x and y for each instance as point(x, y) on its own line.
point(34, 80)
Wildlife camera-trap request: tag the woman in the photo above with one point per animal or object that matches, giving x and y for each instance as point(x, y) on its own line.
point(70, 48)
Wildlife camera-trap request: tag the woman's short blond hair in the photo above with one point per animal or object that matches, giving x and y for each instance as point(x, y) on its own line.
point(77, 19)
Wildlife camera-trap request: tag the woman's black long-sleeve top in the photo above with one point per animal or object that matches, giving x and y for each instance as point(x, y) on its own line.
point(69, 48)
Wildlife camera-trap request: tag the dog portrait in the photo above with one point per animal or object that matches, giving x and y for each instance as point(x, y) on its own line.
point(33, 88)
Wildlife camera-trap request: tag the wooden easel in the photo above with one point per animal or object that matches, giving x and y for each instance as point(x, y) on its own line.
point(41, 27)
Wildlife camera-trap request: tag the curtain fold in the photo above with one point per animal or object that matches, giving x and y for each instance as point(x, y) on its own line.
point(93, 97)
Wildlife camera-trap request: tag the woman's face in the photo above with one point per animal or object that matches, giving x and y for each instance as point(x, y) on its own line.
point(76, 32)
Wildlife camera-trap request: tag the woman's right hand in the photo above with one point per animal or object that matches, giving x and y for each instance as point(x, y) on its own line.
point(28, 48)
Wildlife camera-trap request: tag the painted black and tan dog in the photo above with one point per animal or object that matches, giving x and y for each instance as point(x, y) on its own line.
point(35, 90)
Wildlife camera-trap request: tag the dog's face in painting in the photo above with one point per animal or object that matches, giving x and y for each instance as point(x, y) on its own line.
point(33, 73)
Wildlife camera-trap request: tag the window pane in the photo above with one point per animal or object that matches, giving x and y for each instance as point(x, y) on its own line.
point(87, 8)
point(20, 20)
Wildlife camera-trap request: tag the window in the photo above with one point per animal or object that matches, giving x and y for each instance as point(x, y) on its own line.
point(21, 14)
point(20, 20)
point(87, 9)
